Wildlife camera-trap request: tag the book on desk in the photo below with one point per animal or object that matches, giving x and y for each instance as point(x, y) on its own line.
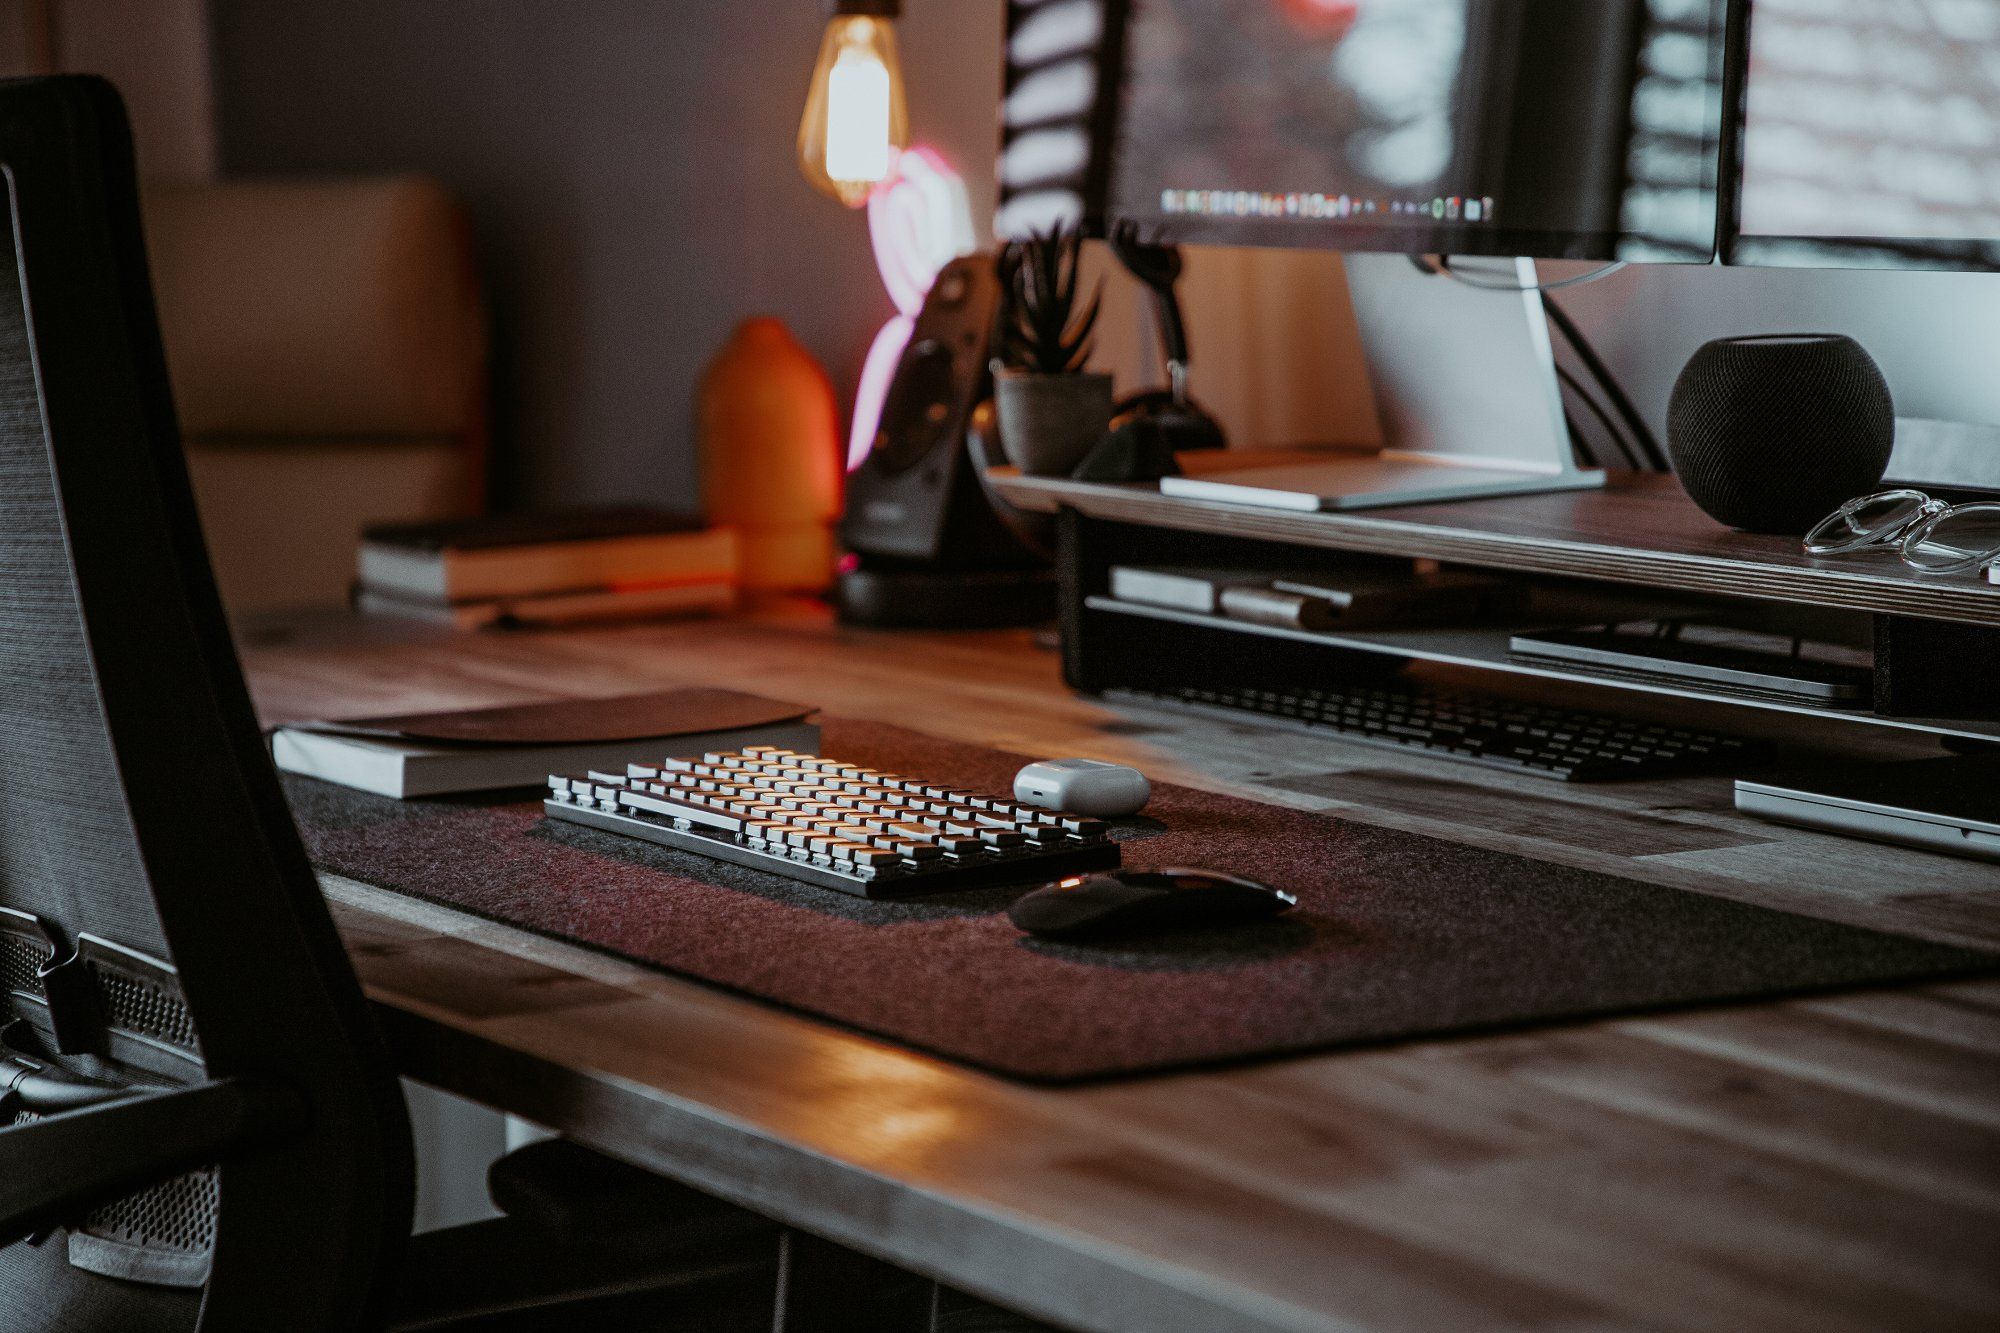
point(559, 567)
point(435, 754)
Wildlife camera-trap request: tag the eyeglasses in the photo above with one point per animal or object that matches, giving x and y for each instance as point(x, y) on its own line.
point(1935, 537)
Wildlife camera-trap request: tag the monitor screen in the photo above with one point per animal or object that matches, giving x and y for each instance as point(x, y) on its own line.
point(1871, 135)
point(1585, 129)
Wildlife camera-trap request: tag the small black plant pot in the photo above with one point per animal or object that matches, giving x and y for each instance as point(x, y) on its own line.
point(1050, 423)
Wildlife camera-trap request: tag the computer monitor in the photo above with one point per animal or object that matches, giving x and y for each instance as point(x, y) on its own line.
point(1870, 136)
point(1578, 129)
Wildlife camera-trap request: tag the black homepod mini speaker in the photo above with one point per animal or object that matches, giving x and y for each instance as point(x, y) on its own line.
point(1773, 433)
point(930, 549)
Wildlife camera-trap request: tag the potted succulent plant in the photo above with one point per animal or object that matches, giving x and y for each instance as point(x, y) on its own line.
point(1052, 411)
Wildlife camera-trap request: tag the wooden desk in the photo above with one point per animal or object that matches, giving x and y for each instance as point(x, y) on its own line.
point(1822, 1164)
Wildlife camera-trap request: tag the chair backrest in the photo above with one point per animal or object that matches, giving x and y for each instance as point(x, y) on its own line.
point(143, 834)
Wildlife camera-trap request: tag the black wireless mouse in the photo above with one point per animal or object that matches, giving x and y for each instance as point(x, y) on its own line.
point(1145, 902)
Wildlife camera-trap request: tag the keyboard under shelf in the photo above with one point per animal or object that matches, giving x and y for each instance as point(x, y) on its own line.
point(1536, 740)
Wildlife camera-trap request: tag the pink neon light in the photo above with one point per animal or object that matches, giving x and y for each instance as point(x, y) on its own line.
point(873, 391)
point(919, 220)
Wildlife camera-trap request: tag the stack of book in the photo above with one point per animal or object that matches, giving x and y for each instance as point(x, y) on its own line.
point(556, 568)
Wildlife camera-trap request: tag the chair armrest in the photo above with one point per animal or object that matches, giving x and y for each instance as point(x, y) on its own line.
point(54, 1170)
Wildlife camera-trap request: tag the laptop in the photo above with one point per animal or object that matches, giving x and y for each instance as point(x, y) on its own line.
point(1942, 805)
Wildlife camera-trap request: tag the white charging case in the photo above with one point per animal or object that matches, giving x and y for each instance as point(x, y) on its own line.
point(1083, 787)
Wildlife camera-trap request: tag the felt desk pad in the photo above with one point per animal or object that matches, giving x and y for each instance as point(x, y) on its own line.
point(1396, 935)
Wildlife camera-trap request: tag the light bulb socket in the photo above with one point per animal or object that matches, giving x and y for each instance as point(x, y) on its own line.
point(874, 9)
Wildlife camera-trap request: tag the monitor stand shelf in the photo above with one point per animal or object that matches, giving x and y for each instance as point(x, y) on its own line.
point(1936, 639)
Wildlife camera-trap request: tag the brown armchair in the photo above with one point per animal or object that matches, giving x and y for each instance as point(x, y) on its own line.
point(327, 344)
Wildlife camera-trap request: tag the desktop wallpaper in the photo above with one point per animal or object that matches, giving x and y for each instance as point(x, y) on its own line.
point(1873, 121)
point(1331, 96)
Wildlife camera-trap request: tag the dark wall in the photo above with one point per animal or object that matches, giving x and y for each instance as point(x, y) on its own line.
point(630, 167)
point(630, 164)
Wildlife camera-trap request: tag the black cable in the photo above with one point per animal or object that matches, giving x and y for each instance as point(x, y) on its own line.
point(1628, 448)
point(1444, 266)
point(1597, 448)
point(1604, 420)
point(1642, 434)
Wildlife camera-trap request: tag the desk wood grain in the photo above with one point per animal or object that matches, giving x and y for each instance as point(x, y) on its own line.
point(1828, 1163)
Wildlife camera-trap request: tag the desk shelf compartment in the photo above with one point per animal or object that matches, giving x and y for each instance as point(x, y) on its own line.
point(1111, 645)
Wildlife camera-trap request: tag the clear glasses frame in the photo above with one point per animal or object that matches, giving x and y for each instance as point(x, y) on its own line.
point(1932, 536)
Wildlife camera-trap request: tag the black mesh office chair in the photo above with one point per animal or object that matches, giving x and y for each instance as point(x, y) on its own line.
point(201, 1128)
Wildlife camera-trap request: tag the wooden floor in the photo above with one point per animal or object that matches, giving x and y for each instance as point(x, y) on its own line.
point(1823, 1164)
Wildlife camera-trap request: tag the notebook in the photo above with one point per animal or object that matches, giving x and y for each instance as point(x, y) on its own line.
point(1368, 481)
point(490, 749)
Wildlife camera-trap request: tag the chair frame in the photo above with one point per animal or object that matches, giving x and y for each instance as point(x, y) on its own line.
point(301, 1102)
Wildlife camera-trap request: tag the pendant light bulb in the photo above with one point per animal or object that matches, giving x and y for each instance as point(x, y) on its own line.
point(855, 123)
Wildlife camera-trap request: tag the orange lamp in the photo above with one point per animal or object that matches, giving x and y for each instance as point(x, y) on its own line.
point(855, 123)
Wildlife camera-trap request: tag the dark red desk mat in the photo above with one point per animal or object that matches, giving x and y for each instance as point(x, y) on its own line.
point(1396, 935)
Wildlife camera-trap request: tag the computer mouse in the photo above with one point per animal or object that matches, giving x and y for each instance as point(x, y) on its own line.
point(1145, 902)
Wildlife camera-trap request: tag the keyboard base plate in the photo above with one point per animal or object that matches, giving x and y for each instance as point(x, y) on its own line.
point(1029, 869)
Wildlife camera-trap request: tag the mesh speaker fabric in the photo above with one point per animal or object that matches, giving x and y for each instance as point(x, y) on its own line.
point(1772, 434)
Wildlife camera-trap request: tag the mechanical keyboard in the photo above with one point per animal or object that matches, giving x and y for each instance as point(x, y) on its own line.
point(833, 824)
point(1570, 745)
